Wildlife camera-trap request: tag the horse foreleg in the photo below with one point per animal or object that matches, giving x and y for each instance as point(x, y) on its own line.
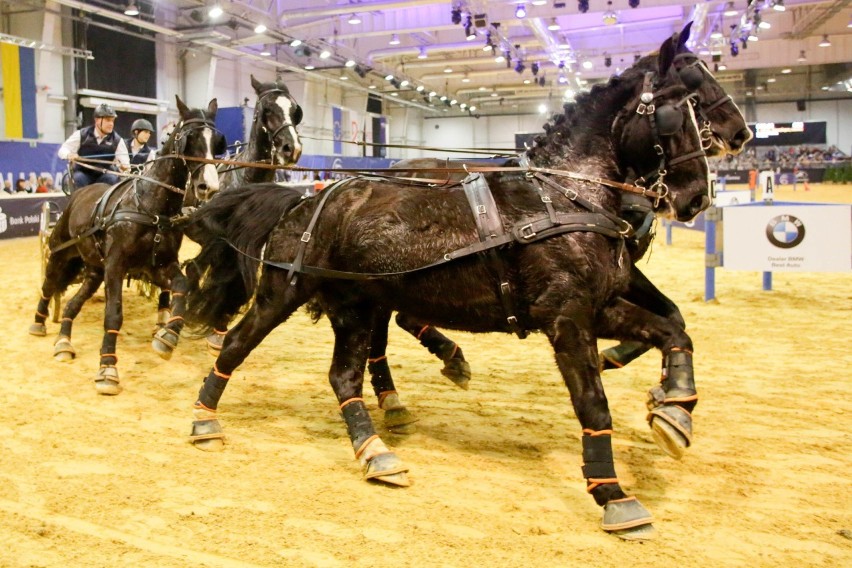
point(269, 310)
point(166, 338)
point(456, 368)
point(575, 345)
point(641, 292)
point(106, 380)
point(352, 336)
point(672, 401)
point(397, 417)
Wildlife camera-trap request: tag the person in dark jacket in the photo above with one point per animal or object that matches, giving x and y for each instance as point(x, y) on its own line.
point(137, 146)
point(96, 142)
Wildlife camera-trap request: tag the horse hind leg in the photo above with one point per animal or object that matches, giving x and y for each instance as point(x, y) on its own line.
point(63, 350)
point(456, 368)
point(397, 418)
point(62, 268)
point(166, 338)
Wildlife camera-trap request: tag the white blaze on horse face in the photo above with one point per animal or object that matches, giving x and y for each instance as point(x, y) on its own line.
point(286, 104)
point(209, 174)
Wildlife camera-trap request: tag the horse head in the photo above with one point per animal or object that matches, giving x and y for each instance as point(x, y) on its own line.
point(723, 126)
point(658, 141)
point(277, 114)
point(195, 136)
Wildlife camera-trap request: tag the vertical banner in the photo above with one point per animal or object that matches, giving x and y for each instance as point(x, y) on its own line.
point(379, 136)
point(337, 129)
point(19, 90)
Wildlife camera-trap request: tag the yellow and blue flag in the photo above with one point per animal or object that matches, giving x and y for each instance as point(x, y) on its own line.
point(19, 90)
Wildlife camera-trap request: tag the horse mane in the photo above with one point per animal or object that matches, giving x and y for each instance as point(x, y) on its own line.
point(590, 113)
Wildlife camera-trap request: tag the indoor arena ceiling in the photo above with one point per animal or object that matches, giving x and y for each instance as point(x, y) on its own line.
point(505, 55)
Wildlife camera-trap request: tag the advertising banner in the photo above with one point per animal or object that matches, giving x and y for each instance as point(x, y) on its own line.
point(788, 238)
point(20, 216)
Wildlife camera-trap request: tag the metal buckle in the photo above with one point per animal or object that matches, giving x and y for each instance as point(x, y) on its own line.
point(570, 193)
point(526, 232)
point(659, 150)
point(546, 199)
point(512, 321)
point(306, 236)
point(641, 108)
point(480, 209)
point(158, 237)
point(504, 288)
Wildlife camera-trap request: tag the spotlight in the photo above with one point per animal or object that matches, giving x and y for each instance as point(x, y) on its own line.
point(519, 66)
point(633, 3)
point(131, 9)
point(541, 81)
point(607, 61)
point(302, 50)
point(360, 71)
point(396, 83)
point(735, 49)
point(521, 11)
point(469, 34)
point(610, 18)
point(583, 6)
point(455, 15)
point(534, 68)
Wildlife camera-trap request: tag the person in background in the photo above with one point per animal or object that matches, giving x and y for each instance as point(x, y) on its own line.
point(41, 185)
point(137, 146)
point(21, 186)
point(98, 142)
point(7, 186)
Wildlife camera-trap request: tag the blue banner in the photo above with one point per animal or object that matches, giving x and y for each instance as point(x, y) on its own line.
point(337, 132)
point(29, 160)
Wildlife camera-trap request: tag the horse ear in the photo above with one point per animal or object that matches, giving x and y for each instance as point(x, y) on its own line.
point(256, 85)
point(182, 108)
point(684, 36)
point(212, 108)
point(667, 53)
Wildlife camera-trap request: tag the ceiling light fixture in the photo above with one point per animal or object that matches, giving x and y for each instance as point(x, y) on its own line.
point(553, 25)
point(825, 41)
point(778, 6)
point(730, 11)
point(521, 11)
point(802, 57)
point(350, 63)
point(296, 43)
point(610, 18)
point(259, 29)
point(131, 9)
point(422, 54)
point(354, 20)
point(394, 40)
point(215, 11)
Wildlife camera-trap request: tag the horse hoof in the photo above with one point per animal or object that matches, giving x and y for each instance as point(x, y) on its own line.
point(671, 427)
point(106, 381)
point(63, 351)
point(207, 435)
point(387, 468)
point(458, 371)
point(211, 445)
point(164, 343)
point(38, 329)
point(627, 519)
point(644, 532)
point(214, 343)
point(400, 421)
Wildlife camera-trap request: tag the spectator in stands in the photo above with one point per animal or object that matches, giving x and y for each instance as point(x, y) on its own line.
point(7, 186)
point(137, 146)
point(41, 185)
point(21, 186)
point(96, 142)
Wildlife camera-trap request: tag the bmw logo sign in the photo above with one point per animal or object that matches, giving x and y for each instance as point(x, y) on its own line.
point(785, 231)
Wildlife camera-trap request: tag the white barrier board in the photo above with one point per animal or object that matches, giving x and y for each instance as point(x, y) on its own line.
point(733, 197)
point(788, 238)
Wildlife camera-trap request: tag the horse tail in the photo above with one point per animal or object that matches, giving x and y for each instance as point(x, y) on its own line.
point(233, 229)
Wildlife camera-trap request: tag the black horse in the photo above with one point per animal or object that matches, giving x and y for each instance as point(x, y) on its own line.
point(549, 254)
point(272, 141)
point(723, 131)
point(131, 228)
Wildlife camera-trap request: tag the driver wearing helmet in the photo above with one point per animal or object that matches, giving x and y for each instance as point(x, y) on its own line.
point(138, 147)
point(98, 142)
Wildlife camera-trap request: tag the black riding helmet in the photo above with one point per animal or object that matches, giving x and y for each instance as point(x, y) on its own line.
point(141, 124)
point(105, 111)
